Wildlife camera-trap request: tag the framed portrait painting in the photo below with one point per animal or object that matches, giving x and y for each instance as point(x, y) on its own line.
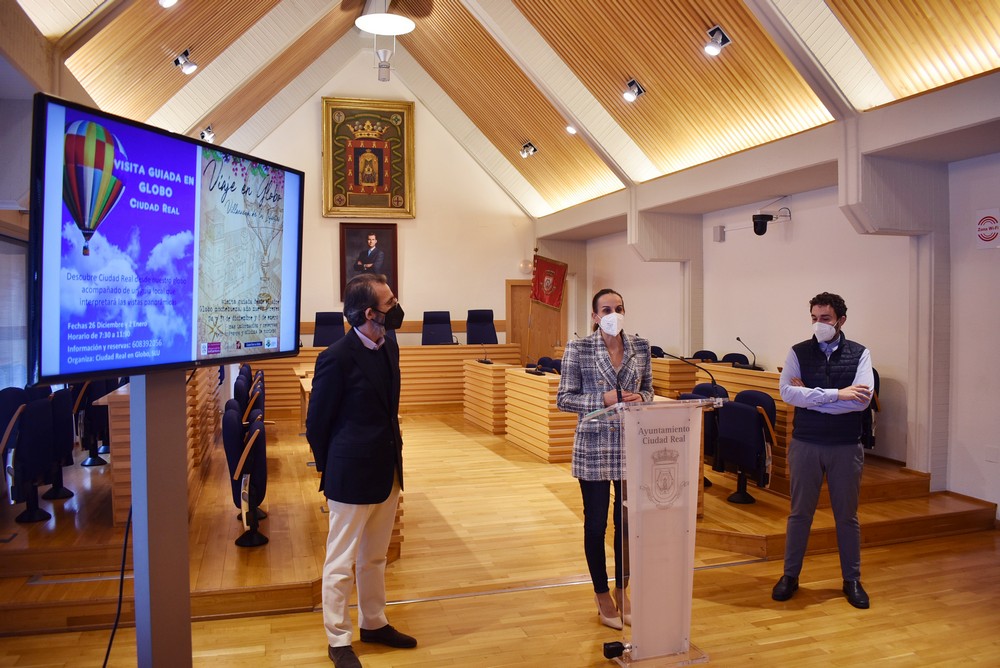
point(368, 248)
point(367, 158)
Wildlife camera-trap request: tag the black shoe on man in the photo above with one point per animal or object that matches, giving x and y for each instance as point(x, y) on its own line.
point(343, 657)
point(856, 594)
point(785, 588)
point(388, 636)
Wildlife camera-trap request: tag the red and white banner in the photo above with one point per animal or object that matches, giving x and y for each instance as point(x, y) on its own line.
point(547, 281)
point(988, 228)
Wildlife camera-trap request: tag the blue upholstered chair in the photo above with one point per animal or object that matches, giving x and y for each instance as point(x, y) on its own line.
point(736, 358)
point(705, 355)
point(746, 435)
point(479, 327)
point(437, 328)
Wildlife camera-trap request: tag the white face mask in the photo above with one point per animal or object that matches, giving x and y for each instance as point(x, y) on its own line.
point(612, 323)
point(824, 332)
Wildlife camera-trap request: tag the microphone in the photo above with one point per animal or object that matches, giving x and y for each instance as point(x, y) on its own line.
point(696, 366)
point(575, 335)
point(753, 365)
point(486, 358)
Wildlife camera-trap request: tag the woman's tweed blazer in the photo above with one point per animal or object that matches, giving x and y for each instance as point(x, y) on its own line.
point(586, 375)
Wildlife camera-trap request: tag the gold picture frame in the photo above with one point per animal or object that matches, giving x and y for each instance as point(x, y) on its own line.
point(367, 158)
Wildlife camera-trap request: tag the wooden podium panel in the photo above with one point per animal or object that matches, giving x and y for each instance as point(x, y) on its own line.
point(432, 377)
point(534, 424)
point(485, 401)
point(671, 377)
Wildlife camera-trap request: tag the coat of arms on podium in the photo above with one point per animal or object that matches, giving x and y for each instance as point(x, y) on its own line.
point(664, 486)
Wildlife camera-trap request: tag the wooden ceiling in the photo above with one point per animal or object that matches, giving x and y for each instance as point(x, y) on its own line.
point(521, 70)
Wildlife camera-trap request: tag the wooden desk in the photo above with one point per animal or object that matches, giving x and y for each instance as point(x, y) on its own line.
point(203, 429)
point(432, 377)
point(533, 422)
point(485, 400)
point(671, 377)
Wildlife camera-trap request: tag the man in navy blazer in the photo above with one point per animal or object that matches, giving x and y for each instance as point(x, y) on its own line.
point(353, 429)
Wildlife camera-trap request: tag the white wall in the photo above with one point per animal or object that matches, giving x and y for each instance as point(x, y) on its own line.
point(466, 239)
point(974, 450)
point(651, 290)
point(758, 288)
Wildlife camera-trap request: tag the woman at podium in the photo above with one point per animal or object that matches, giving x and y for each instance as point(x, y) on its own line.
point(606, 368)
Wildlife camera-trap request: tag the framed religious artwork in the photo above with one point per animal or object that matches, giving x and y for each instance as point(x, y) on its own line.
point(367, 158)
point(368, 248)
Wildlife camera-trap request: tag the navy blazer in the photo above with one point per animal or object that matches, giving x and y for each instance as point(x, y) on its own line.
point(353, 421)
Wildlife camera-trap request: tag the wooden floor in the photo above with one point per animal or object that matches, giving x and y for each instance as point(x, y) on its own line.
point(492, 572)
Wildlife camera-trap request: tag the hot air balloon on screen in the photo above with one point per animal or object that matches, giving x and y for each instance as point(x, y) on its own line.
point(90, 188)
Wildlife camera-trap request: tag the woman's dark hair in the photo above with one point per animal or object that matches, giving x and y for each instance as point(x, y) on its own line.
point(601, 293)
point(359, 296)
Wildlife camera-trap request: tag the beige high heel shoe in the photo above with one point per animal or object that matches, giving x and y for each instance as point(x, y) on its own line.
point(613, 621)
point(624, 605)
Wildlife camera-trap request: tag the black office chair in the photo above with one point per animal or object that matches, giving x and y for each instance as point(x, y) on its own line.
point(868, 418)
point(710, 426)
point(736, 358)
point(437, 328)
point(656, 352)
point(62, 442)
point(479, 327)
point(746, 436)
point(32, 459)
point(245, 455)
point(705, 355)
point(329, 328)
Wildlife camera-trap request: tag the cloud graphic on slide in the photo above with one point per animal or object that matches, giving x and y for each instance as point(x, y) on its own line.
point(112, 278)
point(168, 268)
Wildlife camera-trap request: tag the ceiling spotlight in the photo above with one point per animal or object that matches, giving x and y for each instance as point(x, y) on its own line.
point(208, 135)
point(167, 4)
point(384, 23)
point(634, 90)
point(570, 129)
point(717, 39)
point(184, 62)
point(528, 150)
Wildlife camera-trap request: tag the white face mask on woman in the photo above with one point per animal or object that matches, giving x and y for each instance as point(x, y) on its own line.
point(824, 332)
point(612, 323)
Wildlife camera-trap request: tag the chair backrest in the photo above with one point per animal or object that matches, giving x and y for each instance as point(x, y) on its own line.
point(11, 401)
point(38, 391)
point(736, 358)
point(62, 426)
point(232, 443)
point(436, 328)
point(705, 355)
point(329, 328)
point(757, 398)
point(710, 391)
point(479, 327)
point(656, 352)
point(741, 436)
point(868, 419)
point(33, 457)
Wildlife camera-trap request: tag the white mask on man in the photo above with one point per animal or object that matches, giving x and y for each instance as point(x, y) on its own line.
point(612, 323)
point(824, 332)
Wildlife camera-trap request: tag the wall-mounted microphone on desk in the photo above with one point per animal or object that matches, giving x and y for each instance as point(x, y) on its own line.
point(486, 358)
point(753, 365)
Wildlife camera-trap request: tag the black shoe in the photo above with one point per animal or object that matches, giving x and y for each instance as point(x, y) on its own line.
point(785, 588)
point(388, 636)
point(343, 657)
point(856, 594)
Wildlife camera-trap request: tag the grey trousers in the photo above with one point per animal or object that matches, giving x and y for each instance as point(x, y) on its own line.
point(841, 464)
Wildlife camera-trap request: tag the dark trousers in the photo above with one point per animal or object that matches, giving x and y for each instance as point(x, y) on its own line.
point(596, 499)
point(808, 464)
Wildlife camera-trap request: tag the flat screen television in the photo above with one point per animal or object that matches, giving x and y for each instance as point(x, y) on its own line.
point(150, 250)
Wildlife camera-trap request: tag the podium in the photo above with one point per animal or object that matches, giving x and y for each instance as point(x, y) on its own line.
point(661, 442)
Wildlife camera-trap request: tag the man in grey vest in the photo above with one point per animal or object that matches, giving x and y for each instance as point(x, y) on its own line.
point(829, 380)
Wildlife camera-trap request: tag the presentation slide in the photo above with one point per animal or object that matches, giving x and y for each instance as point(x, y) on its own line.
point(160, 251)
